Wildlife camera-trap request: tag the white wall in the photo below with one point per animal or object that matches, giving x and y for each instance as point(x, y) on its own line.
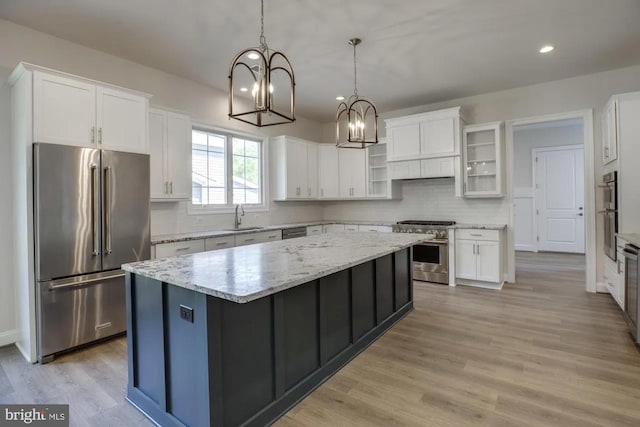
point(578, 93)
point(525, 139)
point(204, 104)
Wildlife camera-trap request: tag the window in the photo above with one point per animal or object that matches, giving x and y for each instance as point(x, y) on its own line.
point(226, 170)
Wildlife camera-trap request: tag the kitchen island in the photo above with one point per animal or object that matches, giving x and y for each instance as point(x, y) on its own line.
point(238, 336)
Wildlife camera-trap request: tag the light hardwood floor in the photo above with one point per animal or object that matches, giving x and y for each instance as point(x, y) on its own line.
point(541, 352)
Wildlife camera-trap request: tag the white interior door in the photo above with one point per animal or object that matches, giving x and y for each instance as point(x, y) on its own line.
point(560, 199)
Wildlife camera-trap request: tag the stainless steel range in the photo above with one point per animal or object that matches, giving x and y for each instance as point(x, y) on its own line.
point(431, 257)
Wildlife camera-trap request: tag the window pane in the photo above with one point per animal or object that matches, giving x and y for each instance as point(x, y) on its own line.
point(238, 147)
point(252, 172)
point(238, 172)
point(251, 148)
point(208, 168)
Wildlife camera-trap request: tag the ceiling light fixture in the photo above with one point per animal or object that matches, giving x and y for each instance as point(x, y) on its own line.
point(260, 72)
point(357, 118)
point(547, 49)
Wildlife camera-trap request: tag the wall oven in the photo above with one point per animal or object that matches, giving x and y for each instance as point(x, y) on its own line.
point(610, 213)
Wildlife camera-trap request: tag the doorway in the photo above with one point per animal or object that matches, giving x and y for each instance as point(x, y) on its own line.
point(553, 213)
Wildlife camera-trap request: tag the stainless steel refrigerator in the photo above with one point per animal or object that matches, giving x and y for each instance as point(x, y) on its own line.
point(91, 214)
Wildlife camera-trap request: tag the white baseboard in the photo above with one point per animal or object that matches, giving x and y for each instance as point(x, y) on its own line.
point(8, 337)
point(601, 288)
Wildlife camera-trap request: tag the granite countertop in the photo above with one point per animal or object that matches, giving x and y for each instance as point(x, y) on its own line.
point(480, 226)
point(182, 237)
point(633, 238)
point(246, 273)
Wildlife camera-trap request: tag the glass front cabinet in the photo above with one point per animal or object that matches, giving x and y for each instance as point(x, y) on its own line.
point(483, 159)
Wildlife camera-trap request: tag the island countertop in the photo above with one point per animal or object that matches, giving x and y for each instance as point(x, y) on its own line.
point(246, 273)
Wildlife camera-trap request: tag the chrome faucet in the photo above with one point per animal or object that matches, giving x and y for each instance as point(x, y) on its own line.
point(238, 219)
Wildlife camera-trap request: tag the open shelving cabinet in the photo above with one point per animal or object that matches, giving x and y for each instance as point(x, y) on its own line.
point(483, 155)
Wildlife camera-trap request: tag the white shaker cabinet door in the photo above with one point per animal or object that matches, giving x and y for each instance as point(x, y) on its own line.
point(328, 171)
point(121, 121)
point(312, 171)
point(466, 259)
point(179, 155)
point(157, 140)
point(64, 111)
point(359, 173)
point(403, 142)
point(437, 137)
point(488, 262)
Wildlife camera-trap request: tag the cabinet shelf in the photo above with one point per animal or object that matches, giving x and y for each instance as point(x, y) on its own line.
point(481, 161)
point(475, 175)
point(480, 144)
point(378, 180)
point(378, 155)
point(377, 167)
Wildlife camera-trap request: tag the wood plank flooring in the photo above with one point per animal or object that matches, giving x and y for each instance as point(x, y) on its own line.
point(541, 352)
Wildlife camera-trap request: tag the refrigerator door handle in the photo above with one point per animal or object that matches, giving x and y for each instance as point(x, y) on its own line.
point(95, 207)
point(107, 209)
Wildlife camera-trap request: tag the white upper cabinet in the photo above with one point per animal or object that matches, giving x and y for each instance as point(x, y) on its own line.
point(610, 132)
point(170, 155)
point(294, 166)
point(157, 160)
point(328, 171)
point(437, 138)
point(482, 156)
point(121, 121)
point(352, 175)
point(424, 136)
point(64, 110)
point(403, 141)
point(312, 170)
point(70, 110)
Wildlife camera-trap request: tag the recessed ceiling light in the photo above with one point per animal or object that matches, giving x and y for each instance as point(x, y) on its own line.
point(253, 55)
point(243, 89)
point(339, 98)
point(546, 49)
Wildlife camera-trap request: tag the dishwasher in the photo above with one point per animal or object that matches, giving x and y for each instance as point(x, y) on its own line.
point(292, 233)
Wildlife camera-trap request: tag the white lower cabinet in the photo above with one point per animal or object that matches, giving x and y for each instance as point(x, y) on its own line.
point(333, 228)
point(213, 243)
point(261, 237)
point(166, 250)
point(478, 258)
point(614, 277)
point(314, 229)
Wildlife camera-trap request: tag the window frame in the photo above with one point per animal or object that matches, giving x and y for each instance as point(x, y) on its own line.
point(229, 207)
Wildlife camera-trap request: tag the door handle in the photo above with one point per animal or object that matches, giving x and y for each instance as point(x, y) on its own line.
point(107, 208)
point(171, 187)
point(95, 208)
point(100, 136)
point(93, 134)
point(580, 214)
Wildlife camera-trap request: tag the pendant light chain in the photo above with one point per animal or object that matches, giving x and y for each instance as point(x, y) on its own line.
point(355, 72)
point(263, 40)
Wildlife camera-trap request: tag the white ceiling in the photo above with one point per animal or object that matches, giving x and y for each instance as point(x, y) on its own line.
point(414, 51)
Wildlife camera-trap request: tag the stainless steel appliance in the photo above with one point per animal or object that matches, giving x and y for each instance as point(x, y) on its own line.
point(610, 213)
point(631, 285)
point(292, 233)
point(431, 257)
point(91, 215)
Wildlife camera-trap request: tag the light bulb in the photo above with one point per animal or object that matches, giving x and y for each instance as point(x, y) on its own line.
point(253, 55)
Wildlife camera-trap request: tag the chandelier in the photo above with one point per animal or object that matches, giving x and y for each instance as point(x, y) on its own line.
point(356, 118)
point(268, 77)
